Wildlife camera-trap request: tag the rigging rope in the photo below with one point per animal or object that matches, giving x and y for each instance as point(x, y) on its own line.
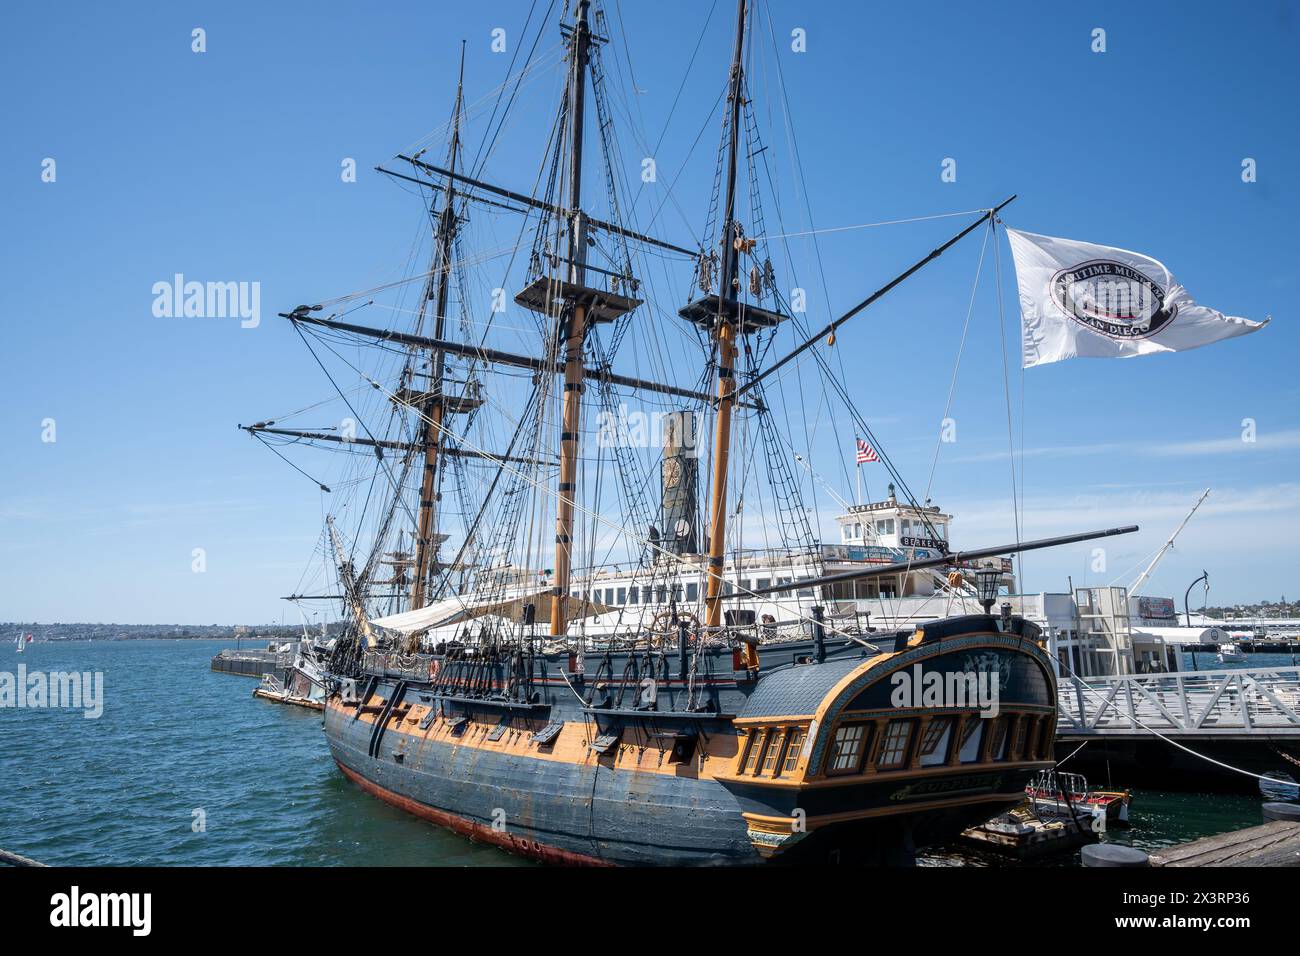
point(865, 225)
point(594, 516)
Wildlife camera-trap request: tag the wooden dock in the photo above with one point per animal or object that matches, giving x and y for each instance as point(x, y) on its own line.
point(1276, 843)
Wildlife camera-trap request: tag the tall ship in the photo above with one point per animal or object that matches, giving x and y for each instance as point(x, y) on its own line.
point(593, 635)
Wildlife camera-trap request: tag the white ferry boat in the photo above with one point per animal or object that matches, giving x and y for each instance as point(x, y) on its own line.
point(619, 601)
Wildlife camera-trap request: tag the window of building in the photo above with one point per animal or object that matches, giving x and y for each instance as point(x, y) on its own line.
point(969, 743)
point(793, 744)
point(677, 593)
point(893, 747)
point(869, 588)
point(646, 594)
point(622, 595)
point(934, 742)
point(662, 592)
point(633, 594)
point(847, 747)
point(692, 592)
point(763, 583)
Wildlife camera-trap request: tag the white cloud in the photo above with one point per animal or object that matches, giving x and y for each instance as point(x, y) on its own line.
point(1266, 441)
point(1244, 536)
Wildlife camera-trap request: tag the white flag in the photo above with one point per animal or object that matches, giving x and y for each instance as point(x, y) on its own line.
point(1081, 299)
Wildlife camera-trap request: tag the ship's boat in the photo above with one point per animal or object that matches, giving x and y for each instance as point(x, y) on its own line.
point(646, 686)
point(1054, 794)
point(685, 757)
point(1231, 654)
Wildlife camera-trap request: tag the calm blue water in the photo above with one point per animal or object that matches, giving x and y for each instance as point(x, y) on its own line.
point(1206, 661)
point(174, 737)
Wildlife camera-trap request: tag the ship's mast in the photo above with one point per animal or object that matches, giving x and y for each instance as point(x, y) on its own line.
point(725, 332)
point(573, 329)
point(432, 406)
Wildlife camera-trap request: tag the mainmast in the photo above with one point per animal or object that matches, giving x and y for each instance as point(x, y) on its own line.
point(432, 403)
point(573, 330)
point(729, 321)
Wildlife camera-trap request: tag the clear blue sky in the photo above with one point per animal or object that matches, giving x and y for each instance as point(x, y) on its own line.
point(225, 165)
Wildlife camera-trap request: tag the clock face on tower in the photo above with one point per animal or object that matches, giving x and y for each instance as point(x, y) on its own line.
point(682, 528)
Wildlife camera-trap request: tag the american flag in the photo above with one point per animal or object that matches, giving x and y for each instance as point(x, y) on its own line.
point(866, 453)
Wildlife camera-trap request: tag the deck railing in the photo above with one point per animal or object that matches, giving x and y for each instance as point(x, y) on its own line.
point(392, 664)
point(1204, 703)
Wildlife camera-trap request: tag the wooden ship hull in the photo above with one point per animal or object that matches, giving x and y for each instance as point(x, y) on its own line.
point(762, 773)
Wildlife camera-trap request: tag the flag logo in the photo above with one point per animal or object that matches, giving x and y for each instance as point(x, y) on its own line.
point(1111, 298)
point(866, 453)
point(1081, 299)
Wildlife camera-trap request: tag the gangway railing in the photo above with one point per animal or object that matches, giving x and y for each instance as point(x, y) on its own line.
point(1262, 702)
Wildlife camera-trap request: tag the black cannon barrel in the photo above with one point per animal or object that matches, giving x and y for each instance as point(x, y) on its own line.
point(952, 557)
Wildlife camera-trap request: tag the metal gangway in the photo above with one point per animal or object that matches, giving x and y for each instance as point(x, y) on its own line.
point(1196, 704)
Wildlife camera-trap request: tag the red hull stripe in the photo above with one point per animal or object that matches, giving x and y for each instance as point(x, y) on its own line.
point(475, 831)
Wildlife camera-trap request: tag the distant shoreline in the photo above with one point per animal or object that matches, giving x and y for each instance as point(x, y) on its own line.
point(95, 633)
point(144, 637)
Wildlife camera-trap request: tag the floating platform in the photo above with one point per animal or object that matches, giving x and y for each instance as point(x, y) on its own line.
point(1020, 834)
point(243, 662)
point(301, 684)
point(284, 697)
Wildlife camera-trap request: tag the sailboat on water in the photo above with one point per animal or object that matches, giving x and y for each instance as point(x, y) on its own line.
point(483, 511)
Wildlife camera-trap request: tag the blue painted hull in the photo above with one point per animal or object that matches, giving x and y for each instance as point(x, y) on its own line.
point(609, 788)
point(594, 812)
